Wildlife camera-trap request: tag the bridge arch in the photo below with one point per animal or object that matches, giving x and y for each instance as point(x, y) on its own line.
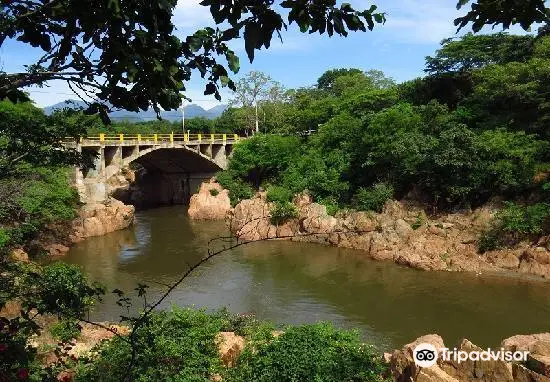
point(163, 171)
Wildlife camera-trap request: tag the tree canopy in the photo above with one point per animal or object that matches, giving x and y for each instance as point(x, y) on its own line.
point(125, 54)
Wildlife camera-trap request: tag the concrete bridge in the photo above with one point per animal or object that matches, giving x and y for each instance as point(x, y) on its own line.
point(169, 167)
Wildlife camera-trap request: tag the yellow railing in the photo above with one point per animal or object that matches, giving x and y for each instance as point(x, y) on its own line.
point(154, 138)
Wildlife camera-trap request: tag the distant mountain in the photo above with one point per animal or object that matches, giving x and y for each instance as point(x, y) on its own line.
point(71, 104)
point(191, 111)
point(218, 110)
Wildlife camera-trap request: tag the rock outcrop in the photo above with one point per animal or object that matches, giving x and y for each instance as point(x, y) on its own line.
point(96, 219)
point(402, 234)
point(210, 203)
point(536, 369)
point(230, 347)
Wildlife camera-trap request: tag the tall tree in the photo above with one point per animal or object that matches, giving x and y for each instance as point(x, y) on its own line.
point(249, 91)
point(475, 51)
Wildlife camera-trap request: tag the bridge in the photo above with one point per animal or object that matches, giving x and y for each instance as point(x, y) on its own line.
point(170, 167)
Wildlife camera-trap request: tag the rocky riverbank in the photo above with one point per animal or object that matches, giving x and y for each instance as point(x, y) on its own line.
point(93, 219)
point(402, 233)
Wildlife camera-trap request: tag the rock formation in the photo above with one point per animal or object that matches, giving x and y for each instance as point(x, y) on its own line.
point(96, 219)
point(402, 234)
point(210, 203)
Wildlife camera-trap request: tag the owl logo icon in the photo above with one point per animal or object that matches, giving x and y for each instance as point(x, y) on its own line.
point(425, 355)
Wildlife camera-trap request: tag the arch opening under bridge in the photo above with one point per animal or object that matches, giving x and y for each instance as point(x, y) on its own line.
point(156, 171)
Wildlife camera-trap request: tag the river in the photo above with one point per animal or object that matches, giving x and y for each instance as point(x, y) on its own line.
point(293, 283)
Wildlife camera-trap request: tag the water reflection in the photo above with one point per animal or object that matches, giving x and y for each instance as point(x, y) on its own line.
point(299, 282)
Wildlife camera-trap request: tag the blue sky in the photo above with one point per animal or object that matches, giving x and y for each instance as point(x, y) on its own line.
point(413, 30)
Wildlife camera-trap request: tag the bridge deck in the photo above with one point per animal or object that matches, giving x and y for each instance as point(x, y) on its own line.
point(158, 139)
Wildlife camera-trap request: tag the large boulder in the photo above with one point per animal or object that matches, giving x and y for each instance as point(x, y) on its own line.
point(250, 219)
point(210, 203)
point(96, 219)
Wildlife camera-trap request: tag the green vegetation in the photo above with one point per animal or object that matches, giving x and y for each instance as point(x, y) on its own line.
point(238, 189)
point(316, 352)
point(65, 330)
point(213, 192)
point(515, 223)
point(473, 129)
point(281, 212)
point(180, 345)
point(374, 198)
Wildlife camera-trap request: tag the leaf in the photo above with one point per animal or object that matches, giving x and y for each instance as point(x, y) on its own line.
point(233, 61)
point(251, 38)
point(210, 89)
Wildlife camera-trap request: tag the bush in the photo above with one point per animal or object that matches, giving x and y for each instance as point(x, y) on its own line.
point(331, 204)
point(49, 196)
point(214, 192)
point(279, 194)
point(178, 345)
point(373, 198)
point(65, 330)
point(281, 212)
point(515, 223)
point(4, 238)
point(238, 190)
point(63, 288)
point(309, 353)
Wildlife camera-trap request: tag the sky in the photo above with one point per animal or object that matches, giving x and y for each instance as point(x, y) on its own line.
point(413, 30)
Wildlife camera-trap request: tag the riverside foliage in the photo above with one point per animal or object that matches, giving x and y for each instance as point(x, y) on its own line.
point(474, 129)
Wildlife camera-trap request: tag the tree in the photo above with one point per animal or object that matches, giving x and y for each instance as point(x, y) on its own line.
point(512, 95)
point(326, 81)
point(125, 54)
point(252, 89)
point(476, 51)
point(27, 136)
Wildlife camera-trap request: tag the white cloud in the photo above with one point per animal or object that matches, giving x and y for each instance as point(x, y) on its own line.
point(424, 21)
point(190, 15)
point(419, 21)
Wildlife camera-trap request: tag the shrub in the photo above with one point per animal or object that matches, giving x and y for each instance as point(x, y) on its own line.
point(279, 194)
point(515, 223)
point(214, 192)
point(238, 189)
point(319, 173)
point(65, 330)
point(281, 212)
point(309, 353)
point(178, 345)
point(373, 198)
point(4, 238)
point(49, 195)
point(331, 204)
point(63, 288)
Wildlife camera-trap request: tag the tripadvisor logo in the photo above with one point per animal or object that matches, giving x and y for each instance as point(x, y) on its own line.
point(425, 355)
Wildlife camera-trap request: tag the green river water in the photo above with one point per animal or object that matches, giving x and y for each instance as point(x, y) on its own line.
point(293, 283)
